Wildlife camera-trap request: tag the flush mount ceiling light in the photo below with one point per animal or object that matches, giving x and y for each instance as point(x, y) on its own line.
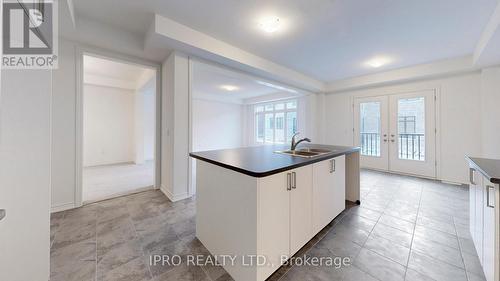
point(377, 62)
point(270, 24)
point(229, 88)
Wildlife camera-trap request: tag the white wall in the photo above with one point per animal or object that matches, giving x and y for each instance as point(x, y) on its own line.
point(108, 125)
point(459, 120)
point(63, 129)
point(490, 113)
point(25, 164)
point(216, 125)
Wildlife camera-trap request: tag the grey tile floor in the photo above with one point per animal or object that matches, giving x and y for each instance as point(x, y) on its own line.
point(405, 229)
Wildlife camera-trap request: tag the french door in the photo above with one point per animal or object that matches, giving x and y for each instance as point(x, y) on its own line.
point(397, 132)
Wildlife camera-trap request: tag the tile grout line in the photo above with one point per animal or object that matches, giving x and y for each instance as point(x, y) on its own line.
point(460, 249)
point(137, 237)
point(414, 229)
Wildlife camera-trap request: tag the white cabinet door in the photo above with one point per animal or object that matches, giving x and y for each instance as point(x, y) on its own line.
point(472, 202)
point(490, 223)
point(328, 191)
point(338, 202)
point(273, 231)
point(478, 228)
point(300, 208)
point(323, 194)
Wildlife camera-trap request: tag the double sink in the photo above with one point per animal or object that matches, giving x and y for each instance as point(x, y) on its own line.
point(306, 152)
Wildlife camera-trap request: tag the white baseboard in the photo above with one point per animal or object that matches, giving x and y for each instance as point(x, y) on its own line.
point(62, 207)
point(172, 197)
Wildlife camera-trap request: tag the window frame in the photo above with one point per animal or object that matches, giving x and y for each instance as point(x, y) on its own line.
point(275, 111)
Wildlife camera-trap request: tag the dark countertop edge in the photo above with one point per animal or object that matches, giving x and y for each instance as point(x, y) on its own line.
point(480, 169)
point(277, 171)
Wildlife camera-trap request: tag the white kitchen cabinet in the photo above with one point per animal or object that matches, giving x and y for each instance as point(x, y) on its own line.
point(285, 211)
point(485, 222)
point(339, 196)
point(472, 202)
point(328, 191)
point(478, 236)
point(490, 258)
point(300, 208)
point(273, 231)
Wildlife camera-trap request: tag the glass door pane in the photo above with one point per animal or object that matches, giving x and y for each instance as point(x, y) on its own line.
point(259, 127)
point(269, 128)
point(411, 129)
point(369, 113)
point(291, 125)
point(279, 131)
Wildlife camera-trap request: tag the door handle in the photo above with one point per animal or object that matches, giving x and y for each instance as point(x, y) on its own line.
point(385, 140)
point(288, 181)
point(392, 140)
point(294, 180)
point(2, 214)
point(488, 187)
point(471, 176)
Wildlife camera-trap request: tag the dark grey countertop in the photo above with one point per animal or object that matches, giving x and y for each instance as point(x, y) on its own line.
point(490, 168)
point(262, 161)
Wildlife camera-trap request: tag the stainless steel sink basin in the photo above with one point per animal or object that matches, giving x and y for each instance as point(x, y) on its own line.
point(305, 152)
point(316, 150)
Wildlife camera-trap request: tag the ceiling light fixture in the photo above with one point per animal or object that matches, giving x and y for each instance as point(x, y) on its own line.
point(277, 87)
point(229, 88)
point(377, 62)
point(270, 24)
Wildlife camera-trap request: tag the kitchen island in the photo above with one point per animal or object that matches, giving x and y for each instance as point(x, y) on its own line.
point(258, 206)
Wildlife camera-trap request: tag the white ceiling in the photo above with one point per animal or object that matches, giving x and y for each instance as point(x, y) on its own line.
point(326, 39)
point(208, 79)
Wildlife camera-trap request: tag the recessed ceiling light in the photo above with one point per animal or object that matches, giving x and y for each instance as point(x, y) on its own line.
point(229, 88)
point(377, 62)
point(270, 24)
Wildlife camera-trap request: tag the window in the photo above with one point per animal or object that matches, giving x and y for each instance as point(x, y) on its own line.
point(275, 122)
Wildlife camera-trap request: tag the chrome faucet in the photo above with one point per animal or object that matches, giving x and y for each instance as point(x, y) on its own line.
point(295, 143)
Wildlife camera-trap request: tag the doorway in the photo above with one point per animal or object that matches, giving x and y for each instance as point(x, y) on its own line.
point(118, 128)
point(397, 133)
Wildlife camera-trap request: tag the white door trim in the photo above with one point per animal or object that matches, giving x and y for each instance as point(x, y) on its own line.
point(80, 51)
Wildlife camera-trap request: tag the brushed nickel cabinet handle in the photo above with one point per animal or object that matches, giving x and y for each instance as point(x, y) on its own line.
point(2, 214)
point(288, 181)
point(294, 180)
point(488, 187)
point(471, 176)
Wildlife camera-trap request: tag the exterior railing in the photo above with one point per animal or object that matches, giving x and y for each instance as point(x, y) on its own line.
point(370, 144)
point(410, 146)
